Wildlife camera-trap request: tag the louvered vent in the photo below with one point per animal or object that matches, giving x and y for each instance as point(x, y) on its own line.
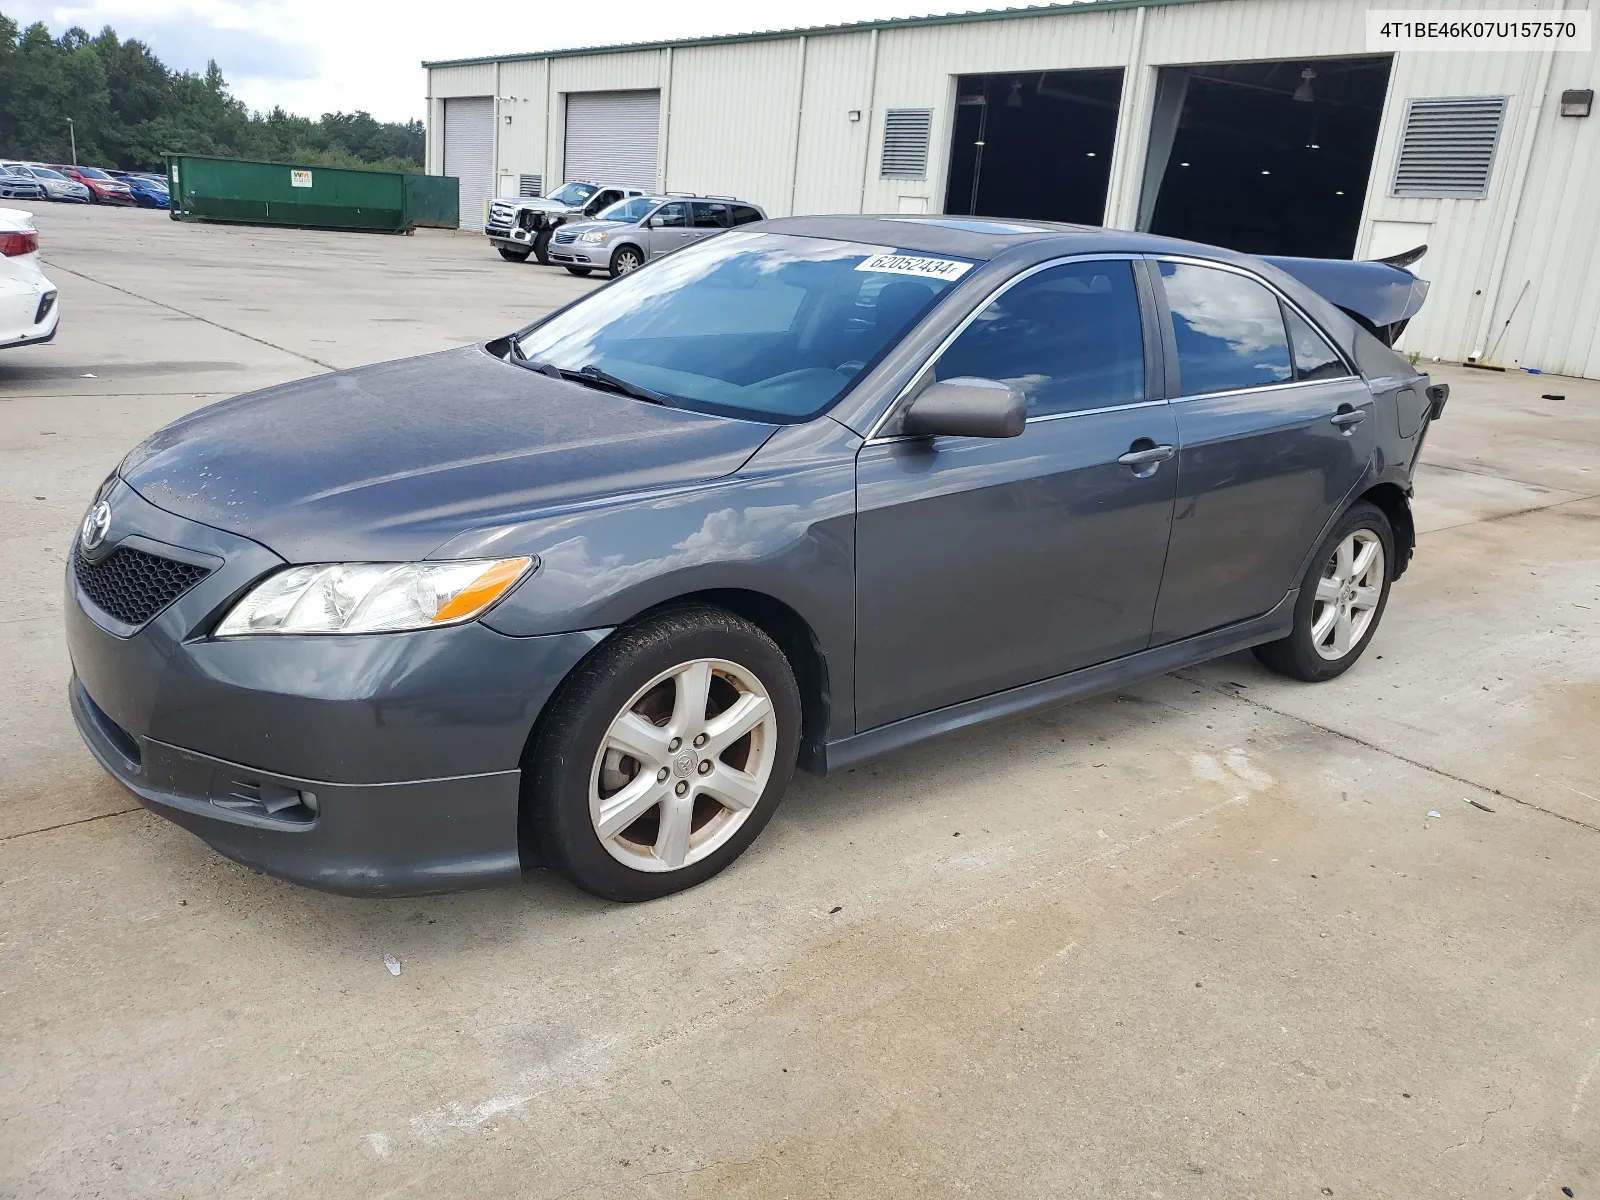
point(1448, 147)
point(905, 142)
point(531, 185)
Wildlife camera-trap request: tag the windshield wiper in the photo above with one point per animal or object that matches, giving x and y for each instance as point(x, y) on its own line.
point(590, 376)
point(594, 374)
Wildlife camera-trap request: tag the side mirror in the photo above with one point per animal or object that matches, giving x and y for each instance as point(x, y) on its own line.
point(651, 224)
point(967, 407)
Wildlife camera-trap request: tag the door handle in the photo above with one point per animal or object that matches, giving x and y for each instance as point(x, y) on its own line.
point(1142, 458)
point(1348, 417)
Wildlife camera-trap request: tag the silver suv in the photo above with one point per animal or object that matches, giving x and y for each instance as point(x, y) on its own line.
point(521, 225)
point(630, 233)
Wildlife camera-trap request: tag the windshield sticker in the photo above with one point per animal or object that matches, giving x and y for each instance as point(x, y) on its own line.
point(910, 264)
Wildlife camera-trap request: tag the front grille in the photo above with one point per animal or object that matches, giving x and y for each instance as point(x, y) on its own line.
point(133, 586)
point(564, 238)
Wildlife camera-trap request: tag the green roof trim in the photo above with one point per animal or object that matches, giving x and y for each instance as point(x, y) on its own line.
point(773, 35)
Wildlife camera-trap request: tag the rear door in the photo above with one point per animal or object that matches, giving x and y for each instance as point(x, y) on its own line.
point(1272, 442)
point(983, 564)
point(668, 229)
point(708, 219)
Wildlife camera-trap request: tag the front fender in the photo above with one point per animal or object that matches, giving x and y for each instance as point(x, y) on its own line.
point(783, 526)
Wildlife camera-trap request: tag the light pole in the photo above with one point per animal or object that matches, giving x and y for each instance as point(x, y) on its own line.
point(72, 132)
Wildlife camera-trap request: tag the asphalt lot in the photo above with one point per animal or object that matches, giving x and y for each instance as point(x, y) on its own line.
point(1200, 938)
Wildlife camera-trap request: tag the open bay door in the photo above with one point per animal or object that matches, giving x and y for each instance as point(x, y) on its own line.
point(469, 153)
point(613, 137)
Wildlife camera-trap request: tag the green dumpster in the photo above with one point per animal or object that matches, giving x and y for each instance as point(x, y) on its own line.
point(311, 197)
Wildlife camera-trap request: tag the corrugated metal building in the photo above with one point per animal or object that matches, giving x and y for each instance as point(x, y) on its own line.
point(1265, 124)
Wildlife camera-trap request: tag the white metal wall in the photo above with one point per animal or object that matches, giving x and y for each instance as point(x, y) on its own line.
point(770, 121)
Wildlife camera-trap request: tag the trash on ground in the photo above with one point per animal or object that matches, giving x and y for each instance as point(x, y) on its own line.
point(1434, 812)
point(1480, 804)
point(392, 963)
point(1553, 396)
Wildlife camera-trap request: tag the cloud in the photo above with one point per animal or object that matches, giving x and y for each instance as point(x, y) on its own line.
point(186, 40)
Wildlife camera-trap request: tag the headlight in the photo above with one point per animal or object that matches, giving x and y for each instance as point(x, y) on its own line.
point(597, 236)
point(373, 597)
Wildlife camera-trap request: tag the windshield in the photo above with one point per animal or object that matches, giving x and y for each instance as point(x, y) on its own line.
point(46, 173)
point(573, 193)
point(628, 210)
point(93, 172)
point(761, 325)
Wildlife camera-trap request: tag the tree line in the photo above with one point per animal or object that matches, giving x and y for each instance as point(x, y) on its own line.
point(128, 109)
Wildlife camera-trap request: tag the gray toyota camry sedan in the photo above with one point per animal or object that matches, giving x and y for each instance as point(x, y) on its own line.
point(808, 492)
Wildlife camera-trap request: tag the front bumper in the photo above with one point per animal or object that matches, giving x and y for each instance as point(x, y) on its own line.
point(383, 764)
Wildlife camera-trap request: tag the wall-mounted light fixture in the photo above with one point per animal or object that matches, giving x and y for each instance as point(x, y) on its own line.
point(1305, 93)
point(1578, 102)
point(854, 114)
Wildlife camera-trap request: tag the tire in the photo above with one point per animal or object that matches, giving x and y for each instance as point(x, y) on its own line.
point(1338, 602)
point(580, 270)
point(541, 246)
point(626, 259)
point(677, 833)
point(511, 255)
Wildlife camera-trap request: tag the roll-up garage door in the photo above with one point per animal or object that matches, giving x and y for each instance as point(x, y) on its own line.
point(469, 153)
point(612, 137)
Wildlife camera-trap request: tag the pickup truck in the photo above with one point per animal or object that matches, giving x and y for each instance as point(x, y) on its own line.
point(522, 225)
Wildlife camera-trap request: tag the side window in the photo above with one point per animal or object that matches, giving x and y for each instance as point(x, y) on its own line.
point(709, 216)
point(743, 214)
point(602, 200)
point(672, 216)
point(1229, 330)
point(1313, 357)
point(1069, 337)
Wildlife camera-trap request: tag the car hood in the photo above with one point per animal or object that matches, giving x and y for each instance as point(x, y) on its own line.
point(387, 463)
point(549, 206)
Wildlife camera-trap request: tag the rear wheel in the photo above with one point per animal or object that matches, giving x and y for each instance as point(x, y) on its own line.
point(511, 255)
point(665, 755)
point(1342, 599)
point(626, 259)
point(580, 270)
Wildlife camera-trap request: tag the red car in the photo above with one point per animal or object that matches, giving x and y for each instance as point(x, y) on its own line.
point(102, 188)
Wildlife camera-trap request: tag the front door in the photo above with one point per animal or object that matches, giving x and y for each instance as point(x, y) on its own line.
point(983, 564)
point(1272, 443)
point(669, 228)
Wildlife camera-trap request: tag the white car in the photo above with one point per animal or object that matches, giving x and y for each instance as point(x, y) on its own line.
point(56, 185)
point(28, 310)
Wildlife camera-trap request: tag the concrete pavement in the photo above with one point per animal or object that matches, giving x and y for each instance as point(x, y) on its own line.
point(1200, 938)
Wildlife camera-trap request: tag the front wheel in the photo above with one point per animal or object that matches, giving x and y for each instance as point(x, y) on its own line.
point(664, 756)
point(626, 259)
point(1342, 599)
point(541, 246)
point(511, 255)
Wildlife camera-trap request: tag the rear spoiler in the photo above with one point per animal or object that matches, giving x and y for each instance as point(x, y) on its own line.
point(1380, 295)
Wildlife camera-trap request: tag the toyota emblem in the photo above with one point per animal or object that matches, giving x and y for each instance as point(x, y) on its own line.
point(95, 526)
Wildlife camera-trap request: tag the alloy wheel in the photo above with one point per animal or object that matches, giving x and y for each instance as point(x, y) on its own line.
point(683, 765)
point(627, 261)
point(1347, 595)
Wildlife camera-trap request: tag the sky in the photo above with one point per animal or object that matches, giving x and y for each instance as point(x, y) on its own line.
point(316, 56)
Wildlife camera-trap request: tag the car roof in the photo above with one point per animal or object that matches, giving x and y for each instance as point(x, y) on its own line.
point(990, 237)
